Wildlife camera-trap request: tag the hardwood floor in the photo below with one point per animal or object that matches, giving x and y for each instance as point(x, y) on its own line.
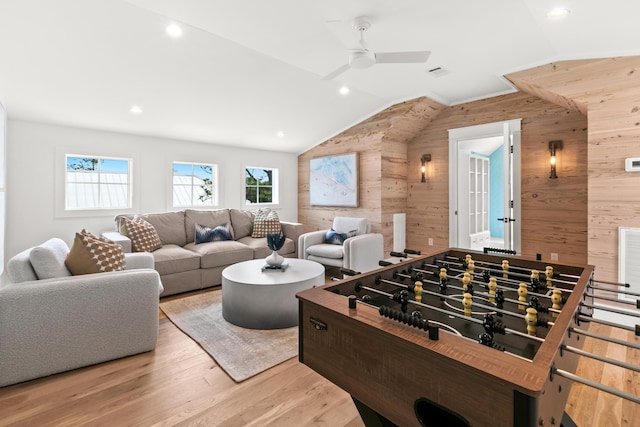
point(179, 384)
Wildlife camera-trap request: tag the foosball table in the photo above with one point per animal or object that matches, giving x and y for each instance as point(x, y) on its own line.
point(456, 338)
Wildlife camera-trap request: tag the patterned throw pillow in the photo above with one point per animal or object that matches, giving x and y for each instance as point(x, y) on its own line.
point(266, 222)
point(144, 237)
point(335, 238)
point(206, 234)
point(92, 254)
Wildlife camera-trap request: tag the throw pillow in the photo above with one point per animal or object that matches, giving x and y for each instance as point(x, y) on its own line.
point(266, 222)
point(334, 238)
point(143, 235)
point(91, 254)
point(206, 234)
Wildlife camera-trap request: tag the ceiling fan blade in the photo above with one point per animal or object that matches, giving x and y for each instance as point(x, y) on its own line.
point(335, 73)
point(402, 57)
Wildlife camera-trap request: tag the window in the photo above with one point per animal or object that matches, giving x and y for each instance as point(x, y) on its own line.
point(97, 183)
point(195, 184)
point(261, 185)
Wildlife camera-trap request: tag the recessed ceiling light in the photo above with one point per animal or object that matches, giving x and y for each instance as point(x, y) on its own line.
point(344, 90)
point(135, 109)
point(174, 30)
point(558, 13)
point(280, 134)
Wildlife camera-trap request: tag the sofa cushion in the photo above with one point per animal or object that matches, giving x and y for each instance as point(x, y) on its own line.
point(265, 222)
point(91, 254)
point(169, 226)
point(48, 259)
point(211, 219)
point(261, 250)
point(218, 254)
point(326, 250)
point(170, 259)
point(242, 222)
point(143, 235)
point(205, 234)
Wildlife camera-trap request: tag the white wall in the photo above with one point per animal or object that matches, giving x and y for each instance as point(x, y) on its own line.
point(34, 188)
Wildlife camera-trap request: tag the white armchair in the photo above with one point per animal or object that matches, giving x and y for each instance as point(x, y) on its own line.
point(360, 251)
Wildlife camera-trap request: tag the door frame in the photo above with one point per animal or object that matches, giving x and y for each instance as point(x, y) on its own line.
point(503, 128)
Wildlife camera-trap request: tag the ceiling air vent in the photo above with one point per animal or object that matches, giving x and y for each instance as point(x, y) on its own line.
point(438, 72)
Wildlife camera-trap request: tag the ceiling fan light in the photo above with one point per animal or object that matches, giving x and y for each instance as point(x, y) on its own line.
point(361, 59)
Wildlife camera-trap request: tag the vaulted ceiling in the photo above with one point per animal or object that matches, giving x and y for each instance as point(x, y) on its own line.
point(251, 73)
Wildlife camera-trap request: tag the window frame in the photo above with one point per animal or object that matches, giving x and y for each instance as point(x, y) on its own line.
point(215, 185)
point(275, 187)
point(99, 207)
point(60, 170)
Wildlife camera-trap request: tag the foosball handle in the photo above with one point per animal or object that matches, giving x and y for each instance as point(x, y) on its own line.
point(412, 252)
point(398, 254)
point(348, 272)
point(383, 263)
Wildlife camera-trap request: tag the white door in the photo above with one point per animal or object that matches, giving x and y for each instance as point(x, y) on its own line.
point(471, 224)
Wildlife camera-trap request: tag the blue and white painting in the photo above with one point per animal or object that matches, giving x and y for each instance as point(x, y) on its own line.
point(334, 180)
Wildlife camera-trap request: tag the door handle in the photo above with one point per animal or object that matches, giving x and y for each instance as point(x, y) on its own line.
point(505, 219)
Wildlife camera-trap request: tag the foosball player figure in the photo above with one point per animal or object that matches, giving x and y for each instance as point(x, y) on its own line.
point(500, 301)
point(556, 299)
point(522, 295)
point(535, 280)
point(467, 303)
point(493, 285)
point(417, 289)
point(505, 268)
point(467, 259)
point(470, 288)
point(549, 273)
point(531, 319)
point(443, 282)
point(466, 279)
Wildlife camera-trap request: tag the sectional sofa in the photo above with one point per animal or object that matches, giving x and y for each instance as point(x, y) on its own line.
point(184, 265)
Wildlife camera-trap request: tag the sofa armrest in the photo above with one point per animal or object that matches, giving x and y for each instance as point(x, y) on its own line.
point(309, 239)
point(362, 252)
point(54, 325)
point(120, 239)
point(292, 230)
point(138, 260)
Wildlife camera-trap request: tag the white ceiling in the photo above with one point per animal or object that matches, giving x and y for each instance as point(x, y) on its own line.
point(245, 70)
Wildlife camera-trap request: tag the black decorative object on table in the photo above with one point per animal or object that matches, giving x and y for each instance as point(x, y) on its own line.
point(275, 242)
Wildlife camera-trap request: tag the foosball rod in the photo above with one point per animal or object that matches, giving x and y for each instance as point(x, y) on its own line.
point(502, 280)
point(609, 309)
point(483, 294)
point(510, 273)
point(604, 338)
point(594, 356)
point(500, 273)
point(608, 282)
point(623, 394)
point(451, 313)
point(586, 319)
point(617, 291)
point(616, 300)
point(449, 297)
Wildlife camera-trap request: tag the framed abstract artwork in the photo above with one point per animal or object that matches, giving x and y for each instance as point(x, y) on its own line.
point(333, 180)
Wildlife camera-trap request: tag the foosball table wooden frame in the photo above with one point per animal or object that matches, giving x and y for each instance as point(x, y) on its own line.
point(398, 375)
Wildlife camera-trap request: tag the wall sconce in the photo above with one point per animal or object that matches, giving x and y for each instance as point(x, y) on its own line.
point(553, 146)
point(423, 160)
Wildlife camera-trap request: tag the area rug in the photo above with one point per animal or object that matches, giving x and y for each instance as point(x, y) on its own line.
point(242, 353)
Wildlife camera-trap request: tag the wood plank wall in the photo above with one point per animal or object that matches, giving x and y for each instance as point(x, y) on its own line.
point(381, 145)
point(609, 89)
point(554, 212)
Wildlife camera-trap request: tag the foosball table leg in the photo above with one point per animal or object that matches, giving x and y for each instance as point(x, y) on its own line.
point(370, 417)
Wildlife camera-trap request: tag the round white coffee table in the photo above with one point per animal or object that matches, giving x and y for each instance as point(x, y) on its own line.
point(258, 299)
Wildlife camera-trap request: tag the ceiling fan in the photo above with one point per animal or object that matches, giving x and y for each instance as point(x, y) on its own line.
point(362, 57)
